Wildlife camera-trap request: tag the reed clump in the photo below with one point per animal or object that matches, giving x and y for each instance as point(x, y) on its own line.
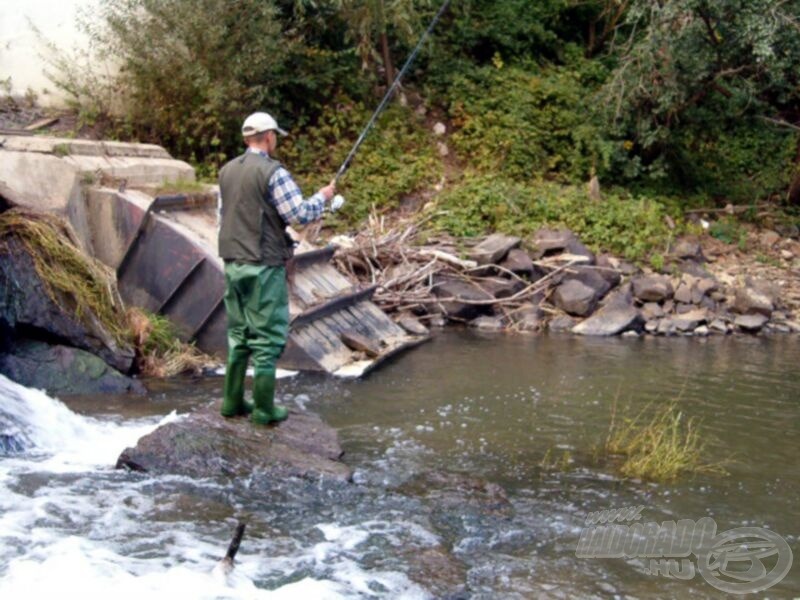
point(660, 448)
point(159, 349)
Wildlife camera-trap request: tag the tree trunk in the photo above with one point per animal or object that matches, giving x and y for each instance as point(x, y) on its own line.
point(387, 59)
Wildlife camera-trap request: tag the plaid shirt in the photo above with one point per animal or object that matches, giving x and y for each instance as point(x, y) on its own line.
point(288, 200)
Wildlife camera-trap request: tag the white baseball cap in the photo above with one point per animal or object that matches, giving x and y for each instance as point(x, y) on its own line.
point(259, 122)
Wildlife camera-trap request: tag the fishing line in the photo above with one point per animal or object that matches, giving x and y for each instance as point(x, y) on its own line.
point(390, 91)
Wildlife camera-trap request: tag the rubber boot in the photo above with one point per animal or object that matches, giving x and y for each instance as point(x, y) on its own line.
point(233, 402)
point(266, 411)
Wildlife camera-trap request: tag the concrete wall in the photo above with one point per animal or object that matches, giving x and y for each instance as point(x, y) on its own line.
point(21, 50)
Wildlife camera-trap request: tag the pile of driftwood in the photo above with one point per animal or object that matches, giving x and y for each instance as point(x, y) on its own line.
point(428, 276)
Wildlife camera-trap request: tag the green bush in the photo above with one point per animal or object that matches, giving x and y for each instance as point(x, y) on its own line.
point(527, 122)
point(630, 226)
point(397, 158)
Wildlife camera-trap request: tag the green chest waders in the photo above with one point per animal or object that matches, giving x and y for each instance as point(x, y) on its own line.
point(257, 303)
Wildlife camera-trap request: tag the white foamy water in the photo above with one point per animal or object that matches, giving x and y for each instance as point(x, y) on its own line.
point(72, 526)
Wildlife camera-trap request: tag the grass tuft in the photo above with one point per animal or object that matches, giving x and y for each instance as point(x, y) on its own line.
point(660, 448)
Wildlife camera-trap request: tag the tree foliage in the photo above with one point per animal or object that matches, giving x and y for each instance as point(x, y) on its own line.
point(692, 98)
point(709, 82)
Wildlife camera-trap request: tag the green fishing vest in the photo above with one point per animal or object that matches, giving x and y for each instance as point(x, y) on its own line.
point(252, 231)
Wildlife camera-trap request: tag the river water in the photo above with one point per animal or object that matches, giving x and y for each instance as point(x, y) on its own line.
point(453, 495)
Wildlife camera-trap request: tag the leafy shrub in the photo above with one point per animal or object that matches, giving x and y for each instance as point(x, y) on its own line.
point(526, 122)
point(397, 158)
point(630, 226)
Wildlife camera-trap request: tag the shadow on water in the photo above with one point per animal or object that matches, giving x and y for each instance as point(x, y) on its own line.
point(449, 496)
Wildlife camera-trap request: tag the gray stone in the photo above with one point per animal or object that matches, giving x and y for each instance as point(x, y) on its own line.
point(669, 306)
point(769, 238)
point(690, 320)
point(61, 371)
point(551, 241)
point(412, 325)
point(591, 277)
point(691, 267)
point(666, 327)
point(575, 298)
point(577, 248)
point(611, 320)
point(751, 323)
point(454, 292)
point(706, 285)
point(683, 293)
point(204, 444)
point(500, 287)
point(719, 326)
point(652, 326)
point(562, 323)
point(652, 288)
point(702, 331)
point(607, 271)
point(652, 310)
point(494, 248)
point(487, 323)
point(518, 262)
point(688, 249)
point(750, 301)
point(528, 318)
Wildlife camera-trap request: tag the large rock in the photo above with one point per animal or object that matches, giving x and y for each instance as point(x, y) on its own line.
point(652, 288)
point(690, 320)
point(575, 298)
point(688, 249)
point(547, 242)
point(611, 320)
point(749, 301)
point(519, 263)
point(61, 370)
point(494, 248)
point(457, 297)
point(750, 323)
point(204, 444)
point(27, 310)
point(600, 280)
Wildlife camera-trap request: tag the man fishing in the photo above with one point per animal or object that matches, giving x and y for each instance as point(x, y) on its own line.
point(259, 199)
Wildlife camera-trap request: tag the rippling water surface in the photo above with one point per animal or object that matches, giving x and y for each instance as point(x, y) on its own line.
point(447, 442)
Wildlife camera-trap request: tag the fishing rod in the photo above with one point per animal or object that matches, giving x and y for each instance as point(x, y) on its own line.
point(390, 91)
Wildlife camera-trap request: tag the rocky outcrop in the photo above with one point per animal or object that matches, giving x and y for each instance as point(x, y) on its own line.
point(204, 444)
point(62, 327)
point(27, 307)
point(63, 370)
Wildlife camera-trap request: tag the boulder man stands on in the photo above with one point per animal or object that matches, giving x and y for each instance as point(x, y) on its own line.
point(259, 199)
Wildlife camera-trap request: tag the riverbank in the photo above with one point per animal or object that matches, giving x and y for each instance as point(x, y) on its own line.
point(552, 280)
